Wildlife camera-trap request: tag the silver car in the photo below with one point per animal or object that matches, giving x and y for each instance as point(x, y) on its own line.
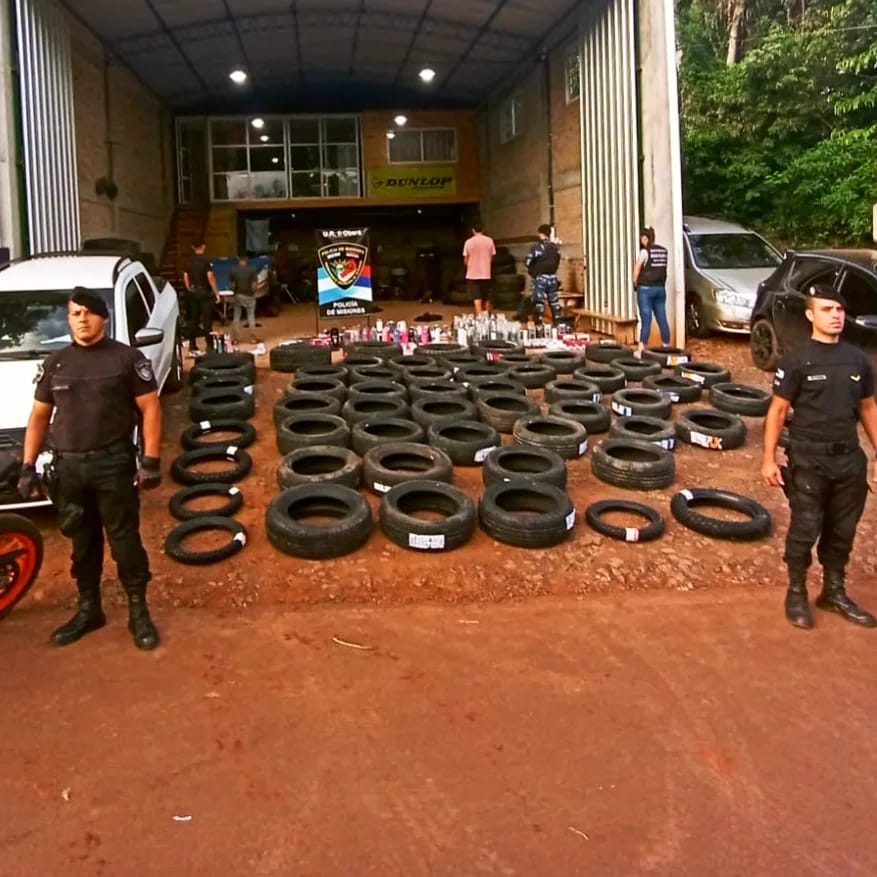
point(724, 263)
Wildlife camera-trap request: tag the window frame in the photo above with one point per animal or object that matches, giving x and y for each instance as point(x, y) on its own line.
point(513, 104)
point(573, 57)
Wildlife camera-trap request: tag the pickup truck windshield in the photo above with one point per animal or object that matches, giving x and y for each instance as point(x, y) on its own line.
point(35, 323)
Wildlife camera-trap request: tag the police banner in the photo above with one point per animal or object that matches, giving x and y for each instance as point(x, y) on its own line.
point(344, 281)
point(423, 180)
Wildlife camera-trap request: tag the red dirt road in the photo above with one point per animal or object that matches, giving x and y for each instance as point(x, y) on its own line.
point(661, 734)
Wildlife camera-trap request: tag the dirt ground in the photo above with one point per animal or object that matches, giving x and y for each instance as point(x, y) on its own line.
point(483, 570)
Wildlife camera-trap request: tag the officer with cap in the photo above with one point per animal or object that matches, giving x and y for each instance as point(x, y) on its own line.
point(89, 397)
point(830, 385)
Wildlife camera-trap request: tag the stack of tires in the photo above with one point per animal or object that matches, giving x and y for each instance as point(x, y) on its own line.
point(214, 457)
point(506, 284)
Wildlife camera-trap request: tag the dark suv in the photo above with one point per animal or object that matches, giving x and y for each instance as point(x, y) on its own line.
point(778, 320)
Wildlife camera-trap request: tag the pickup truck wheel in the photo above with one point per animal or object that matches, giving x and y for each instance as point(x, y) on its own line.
point(765, 346)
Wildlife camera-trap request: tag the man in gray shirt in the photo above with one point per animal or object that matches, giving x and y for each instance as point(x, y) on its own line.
point(242, 280)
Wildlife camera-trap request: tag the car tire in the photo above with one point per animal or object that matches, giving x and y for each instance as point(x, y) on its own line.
point(414, 360)
point(467, 443)
point(695, 318)
point(533, 375)
point(503, 410)
point(635, 369)
point(321, 387)
point(385, 349)
point(711, 429)
point(322, 373)
point(427, 412)
point(757, 525)
point(348, 531)
point(564, 362)
point(234, 500)
point(362, 360)
point(377, 389)
point(392, 463)
point(378, 408)
point(675, 388)
point(191, 436)
point(515, 462)
point(304, 403)
point(605, 351)
point(173, 543)
point(633, 464)
point(492, 351)
point(436, 390)
point(385, 372)
point(439, 349)
point(646, 429)
point(308, 430)
point(212, 383)
point(571, 388)
point(293, 355)
point(667, 356)
point(608, 378)
point(649, 403)
point(593, 416)
point(651, 531)
point(421, 373)
point(526, 513)
point(499, 385)
point(319, 464)
point(740, 399)
point(404, 528)
point(472, 375)
point(368, 434)
point(567, 438)
point(764, 346)
point(222, 405)
point(183, 474)
point(224, 365)
point(704, 373)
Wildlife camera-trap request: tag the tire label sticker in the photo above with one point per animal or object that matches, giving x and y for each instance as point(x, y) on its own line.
point(623, 410)
point(234, 490)
point(204, 425)
point(631, 534)
point(571, 520)
point(249, 389)
point(240, 537)
point(381, 488)
point(482, 453)
point(231, 451)
point(597, 397)
point(687, 494)
point(667, 444)
point(713, 442)
point(583, 446)
point(692, 376)
point(673, 397)
point(430, 543)
point(677, 359)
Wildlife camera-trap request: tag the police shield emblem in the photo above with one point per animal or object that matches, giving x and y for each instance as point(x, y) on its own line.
point(143, 367)
point(343, 262)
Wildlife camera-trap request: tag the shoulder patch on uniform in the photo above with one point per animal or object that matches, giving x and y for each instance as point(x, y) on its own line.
point(780, 373)
point(143, 367)
point(855, 377)
point(41, 371)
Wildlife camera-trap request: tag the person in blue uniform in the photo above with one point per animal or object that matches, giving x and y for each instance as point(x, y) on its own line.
point(830, 386)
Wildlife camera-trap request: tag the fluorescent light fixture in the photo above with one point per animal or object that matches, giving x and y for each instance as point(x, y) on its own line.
point(258, 123)
point(427, 74)
point(264, 138)
point(400, 120)
point(391, 135)
point(238, 76)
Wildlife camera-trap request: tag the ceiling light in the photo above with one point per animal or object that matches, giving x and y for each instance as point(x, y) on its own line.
point(400, 120)
point(427, 74)
point(391, 135)
point(275, 160)
point(238, 76)
point(258, 123)
point(264, 138)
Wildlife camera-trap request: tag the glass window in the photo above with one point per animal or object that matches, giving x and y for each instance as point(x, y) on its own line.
point(226, 159)
point(440, 145)
point(270, 133)
point(228, 132)
point(732, 251)
point(267, 159)
point(510, 118)
point(146, 291)
point(406, 146)
point(416, 145)
point(306, 185)
point(573, 77)
point(304, 158)
point(804, 271)
point(135, 310)
point(340, 129)
point(859, 292)
point(339, 156)
point(304, 129)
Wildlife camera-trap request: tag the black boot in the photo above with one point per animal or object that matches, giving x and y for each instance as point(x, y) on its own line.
point(834, 599)
point(797, 607)
point(139, 623)
point(89, 616)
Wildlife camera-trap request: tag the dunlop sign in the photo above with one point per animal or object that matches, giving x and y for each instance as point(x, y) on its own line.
point(412, 182)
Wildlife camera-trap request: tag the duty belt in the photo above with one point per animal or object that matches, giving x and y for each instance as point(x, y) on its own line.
point(822, 448)
point(121, 444)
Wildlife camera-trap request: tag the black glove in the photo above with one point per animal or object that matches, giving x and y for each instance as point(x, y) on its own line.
point(148, 473)
point(29, 484)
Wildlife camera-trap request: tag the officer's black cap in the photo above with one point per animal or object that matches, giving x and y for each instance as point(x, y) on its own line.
point(87, 299)
point(822, 290)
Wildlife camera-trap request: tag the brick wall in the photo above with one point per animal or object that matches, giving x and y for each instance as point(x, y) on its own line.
point(123, 132)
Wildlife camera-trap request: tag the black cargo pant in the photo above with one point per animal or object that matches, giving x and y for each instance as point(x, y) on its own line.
point(94, 492)
point(199, 316)
point(826, 494)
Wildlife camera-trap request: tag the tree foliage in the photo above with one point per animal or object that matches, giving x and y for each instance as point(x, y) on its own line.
point(784, 135)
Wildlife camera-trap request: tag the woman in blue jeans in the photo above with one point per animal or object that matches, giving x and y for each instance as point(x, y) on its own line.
point(650, 280)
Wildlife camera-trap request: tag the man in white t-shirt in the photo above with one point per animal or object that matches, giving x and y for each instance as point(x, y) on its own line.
point(478, 253)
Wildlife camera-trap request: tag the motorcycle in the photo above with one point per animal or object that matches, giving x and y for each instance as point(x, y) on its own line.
point(21, 555)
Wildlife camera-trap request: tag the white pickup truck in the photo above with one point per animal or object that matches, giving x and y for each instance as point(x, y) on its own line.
point(33, 322)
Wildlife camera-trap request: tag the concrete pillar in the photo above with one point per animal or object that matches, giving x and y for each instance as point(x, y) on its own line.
point(10, 215)
point(661, 152)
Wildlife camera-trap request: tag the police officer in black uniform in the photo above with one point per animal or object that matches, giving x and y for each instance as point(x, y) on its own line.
point(201, 295)
point(830, 385)
point(97, 389)
point(542, 263)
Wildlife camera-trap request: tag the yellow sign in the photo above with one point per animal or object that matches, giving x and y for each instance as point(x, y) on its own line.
point(413, 181)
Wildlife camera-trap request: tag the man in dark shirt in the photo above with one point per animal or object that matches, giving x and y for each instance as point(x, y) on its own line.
point(242, 280)
point(201, 295)
point(89, 397)
point(542, 262)
point(830, 385)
